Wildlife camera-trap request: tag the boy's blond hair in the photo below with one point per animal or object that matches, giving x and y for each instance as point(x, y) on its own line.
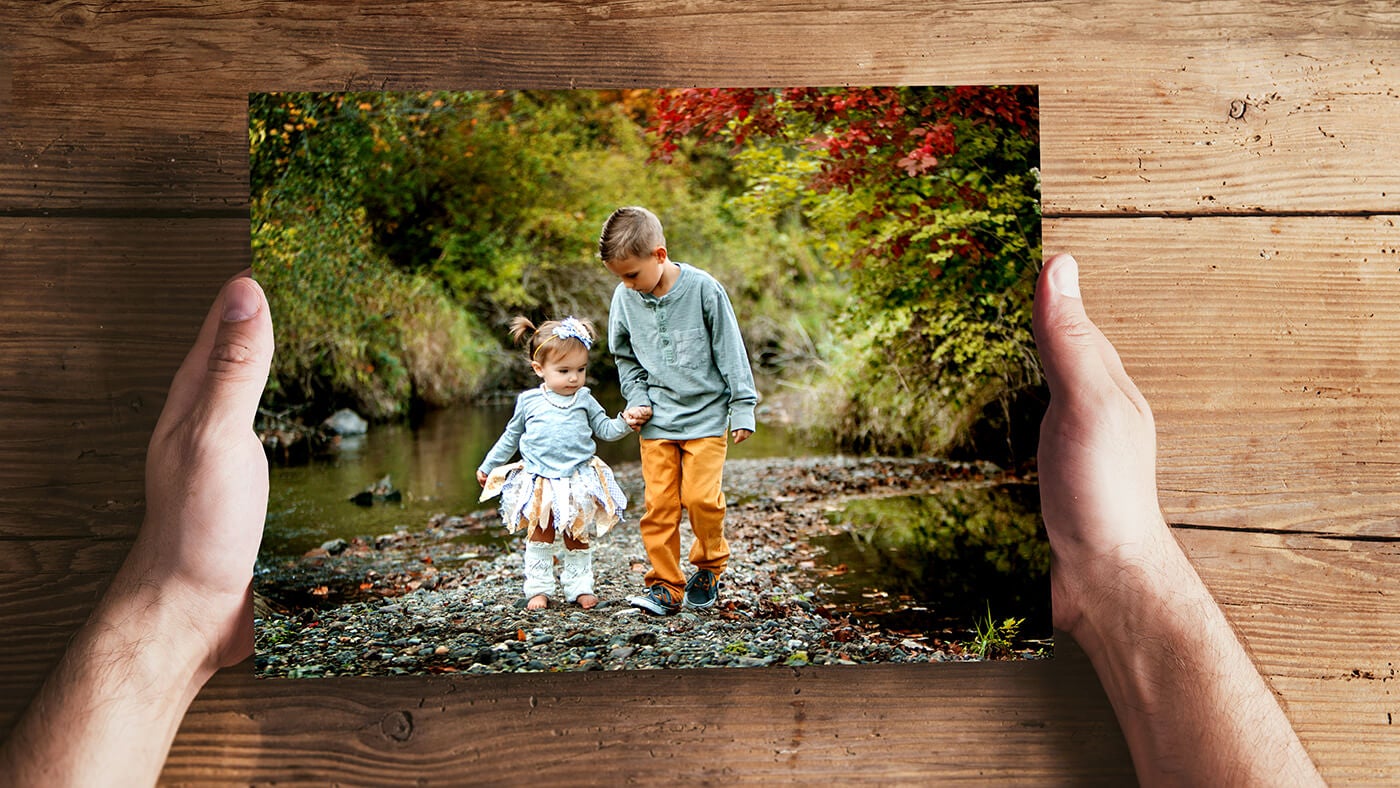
point(630, 232)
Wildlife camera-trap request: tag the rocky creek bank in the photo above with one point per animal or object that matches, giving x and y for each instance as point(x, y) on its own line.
point(445, 597)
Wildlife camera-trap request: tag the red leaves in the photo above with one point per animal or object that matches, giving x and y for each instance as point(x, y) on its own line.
point(706, 113)
point(919, 160)
point(890, 143)
point(1011, 106)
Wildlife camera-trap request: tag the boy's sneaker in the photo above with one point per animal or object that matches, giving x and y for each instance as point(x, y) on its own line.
point(658, 600)
point(701, 590)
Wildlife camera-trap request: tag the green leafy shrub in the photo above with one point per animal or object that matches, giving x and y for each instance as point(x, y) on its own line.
point(399, 233)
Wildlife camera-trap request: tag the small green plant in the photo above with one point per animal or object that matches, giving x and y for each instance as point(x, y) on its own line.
point(991, 638)
point(797, 659)
point(737, 647)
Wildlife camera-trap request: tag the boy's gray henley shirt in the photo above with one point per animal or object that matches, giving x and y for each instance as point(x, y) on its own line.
point(682, 355)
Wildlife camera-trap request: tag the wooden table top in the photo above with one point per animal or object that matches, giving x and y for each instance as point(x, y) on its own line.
point(1227, 174)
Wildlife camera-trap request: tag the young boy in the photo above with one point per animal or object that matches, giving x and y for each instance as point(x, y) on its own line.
point(682, 362)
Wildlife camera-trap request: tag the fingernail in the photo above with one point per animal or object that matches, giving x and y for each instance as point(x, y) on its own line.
point(1066, 276)
point(240, 302)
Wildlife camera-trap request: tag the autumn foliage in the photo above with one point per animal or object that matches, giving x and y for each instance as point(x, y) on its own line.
point(879, 243)
point(928, 198)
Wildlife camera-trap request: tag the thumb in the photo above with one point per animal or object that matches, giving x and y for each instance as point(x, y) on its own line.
point(1068, 342)
point(1074, 352)
point(239, 356)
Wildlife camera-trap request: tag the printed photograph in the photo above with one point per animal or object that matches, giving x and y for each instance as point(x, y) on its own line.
point(633, 379)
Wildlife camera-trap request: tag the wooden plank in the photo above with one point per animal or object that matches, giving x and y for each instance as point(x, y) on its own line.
point(99, 315)
point(1267, 349)
point(1319, 615)
point(40, 614)
point(32, 554)
point(869, 725)
point(1235, 107)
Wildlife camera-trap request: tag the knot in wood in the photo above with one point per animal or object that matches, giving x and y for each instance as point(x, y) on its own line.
point(397, 725)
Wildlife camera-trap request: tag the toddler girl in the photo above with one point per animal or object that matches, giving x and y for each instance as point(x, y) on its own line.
point(558, 486)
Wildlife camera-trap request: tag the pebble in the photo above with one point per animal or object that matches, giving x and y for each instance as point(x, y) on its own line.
point(469, 617)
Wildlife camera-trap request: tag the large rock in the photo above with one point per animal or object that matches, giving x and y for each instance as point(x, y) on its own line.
point(346, 422)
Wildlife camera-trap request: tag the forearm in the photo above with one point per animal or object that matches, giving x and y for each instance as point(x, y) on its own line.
point(507, 445)
point(613, 429)
point(109, 711)
point(632, 380)
point(1193, 707)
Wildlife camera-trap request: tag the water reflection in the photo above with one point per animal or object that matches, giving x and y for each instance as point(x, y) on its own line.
point(937, 561)
point(434, 465)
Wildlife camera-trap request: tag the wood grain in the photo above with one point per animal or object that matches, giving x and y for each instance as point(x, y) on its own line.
point(98, 316)
point(119, 109)
point(1267, 349)
point(876, 725)
point(1319, 615)
point(1224, 172)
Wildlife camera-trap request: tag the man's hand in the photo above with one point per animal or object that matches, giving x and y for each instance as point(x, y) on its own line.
point(207, 478)
point(1193, 707)
point(1098, 444)
point(180, 606)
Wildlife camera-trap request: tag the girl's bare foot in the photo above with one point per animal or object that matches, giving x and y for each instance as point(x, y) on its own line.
point(587, 601)
point(537, 602)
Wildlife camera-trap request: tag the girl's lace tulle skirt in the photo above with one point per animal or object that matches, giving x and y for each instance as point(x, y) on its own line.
point(590, 500)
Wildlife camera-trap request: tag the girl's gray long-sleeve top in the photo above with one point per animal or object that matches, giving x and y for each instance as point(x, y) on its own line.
point(554, 434)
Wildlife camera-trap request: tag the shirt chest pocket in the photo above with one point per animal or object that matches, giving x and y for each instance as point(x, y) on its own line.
point(689, 349)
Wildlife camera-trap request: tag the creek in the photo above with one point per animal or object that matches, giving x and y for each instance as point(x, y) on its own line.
point(433, 464)
point(944, 560)
point(931, 562)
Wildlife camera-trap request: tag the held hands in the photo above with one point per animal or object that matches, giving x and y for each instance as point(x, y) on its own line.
point(641, 414)
point(637, 416)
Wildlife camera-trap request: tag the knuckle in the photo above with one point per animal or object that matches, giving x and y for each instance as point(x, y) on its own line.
point(1075, 327)
point(232, 360)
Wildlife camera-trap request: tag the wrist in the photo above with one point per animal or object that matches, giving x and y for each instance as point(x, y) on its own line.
point(1098, 592)
point(1189, 698)
point(155, 626)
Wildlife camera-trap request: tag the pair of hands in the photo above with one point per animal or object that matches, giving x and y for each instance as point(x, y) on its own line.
point(636, 416)
point(1191, 704)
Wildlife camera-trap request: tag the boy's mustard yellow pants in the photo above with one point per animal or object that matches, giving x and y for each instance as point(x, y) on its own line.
point(683, 474)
